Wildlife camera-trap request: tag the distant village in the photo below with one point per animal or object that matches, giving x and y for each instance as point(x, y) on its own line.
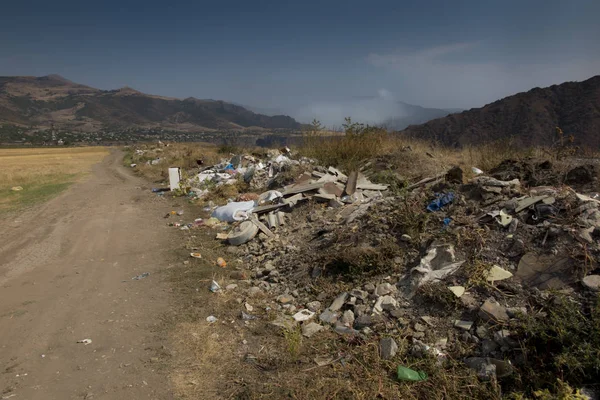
point(12, 135)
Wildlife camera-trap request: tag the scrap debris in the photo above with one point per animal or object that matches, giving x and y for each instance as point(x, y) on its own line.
point(473, 253)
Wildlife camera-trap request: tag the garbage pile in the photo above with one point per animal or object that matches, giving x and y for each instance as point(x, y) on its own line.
point(441, 264)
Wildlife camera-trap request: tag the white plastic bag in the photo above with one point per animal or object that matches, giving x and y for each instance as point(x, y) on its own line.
point(234, 211)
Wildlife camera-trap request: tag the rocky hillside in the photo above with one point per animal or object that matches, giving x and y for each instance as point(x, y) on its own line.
point(52, 100)
point(530, 118)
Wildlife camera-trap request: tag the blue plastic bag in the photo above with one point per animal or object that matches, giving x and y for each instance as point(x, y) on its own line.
point(440, 202)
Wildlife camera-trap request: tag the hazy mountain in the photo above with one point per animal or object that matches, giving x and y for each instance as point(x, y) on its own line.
point(412, 114)
point(54, 100)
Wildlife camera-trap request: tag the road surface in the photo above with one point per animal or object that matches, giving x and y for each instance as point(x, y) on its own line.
point(66, 271)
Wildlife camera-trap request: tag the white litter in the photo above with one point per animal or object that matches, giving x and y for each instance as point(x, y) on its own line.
point(303, 315)
point(234, 211)
point(174, 178)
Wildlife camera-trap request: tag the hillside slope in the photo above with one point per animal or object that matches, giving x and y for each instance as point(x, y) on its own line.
point(530, 118)
point(55, 101)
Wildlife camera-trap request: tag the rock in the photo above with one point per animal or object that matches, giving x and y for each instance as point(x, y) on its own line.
point(254, 291)
point(469, 301)
point(405, 238)
point(274, 274)
point(418, 335)
point(385, 288)
point(359, 294)
point(592, 282)
point(419, 327)
point(269, 266)
point(385, 303)
point(329, 317)
point(492, 311)
point(310, 329)
point(484, 369)
point(369, 287)
point(338, 302)
point(482, 332)
point(487, 368)
point(388, 348)
point(457, 290)
point(360, 309)
point(347, 318)
point(285, 299)
point(344, 330)
point(503, 338)
point(314, 306)
point(231, 286)
point(488, 347)
point(468, 338)
point(397, 313)
point(464, 325)
point(295, 293)
point(363, 321)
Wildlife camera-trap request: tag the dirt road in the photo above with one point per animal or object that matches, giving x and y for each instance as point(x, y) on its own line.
point(65, 275)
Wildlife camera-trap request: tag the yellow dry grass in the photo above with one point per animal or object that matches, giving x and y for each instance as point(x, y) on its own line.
point(42, 172)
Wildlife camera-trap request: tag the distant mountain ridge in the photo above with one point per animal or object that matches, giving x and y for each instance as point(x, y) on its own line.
point(529, 118)
point(52, 100)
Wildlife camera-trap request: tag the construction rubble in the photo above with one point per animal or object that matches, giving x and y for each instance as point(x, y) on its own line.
point(449, 263)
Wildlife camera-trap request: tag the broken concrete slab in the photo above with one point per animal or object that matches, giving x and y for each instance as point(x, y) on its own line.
point(464, 325)
point(545, 271)
point(371, 186)
point(351, 183)
point(293, 200)
point(324, 198)
point(303, 188)
point(492, 311)
point(331, 188)
point(528, 202)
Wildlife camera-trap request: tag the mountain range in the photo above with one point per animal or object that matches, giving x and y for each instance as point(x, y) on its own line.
point(528, 118)
point(42, 102)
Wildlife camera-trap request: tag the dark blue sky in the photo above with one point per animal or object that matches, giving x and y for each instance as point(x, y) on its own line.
point(306, 57)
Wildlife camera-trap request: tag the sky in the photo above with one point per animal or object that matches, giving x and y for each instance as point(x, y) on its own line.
point(326, 59)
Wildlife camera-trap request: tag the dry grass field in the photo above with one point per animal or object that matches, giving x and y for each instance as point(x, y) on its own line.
point(42, 173)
